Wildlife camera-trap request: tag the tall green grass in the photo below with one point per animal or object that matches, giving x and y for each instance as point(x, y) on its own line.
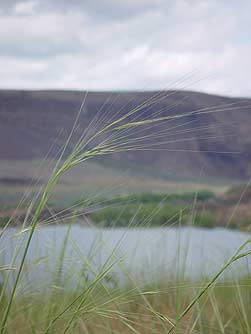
point(98, 307)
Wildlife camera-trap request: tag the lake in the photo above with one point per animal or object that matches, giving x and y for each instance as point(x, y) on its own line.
point(143, 254)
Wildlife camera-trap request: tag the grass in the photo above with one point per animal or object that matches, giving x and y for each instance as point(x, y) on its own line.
point(102, 305)
point(98, 304)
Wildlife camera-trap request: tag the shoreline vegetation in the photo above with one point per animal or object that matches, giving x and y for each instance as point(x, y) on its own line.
point(200, 209)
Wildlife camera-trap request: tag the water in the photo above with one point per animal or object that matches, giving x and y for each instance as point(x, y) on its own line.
point(138, 254)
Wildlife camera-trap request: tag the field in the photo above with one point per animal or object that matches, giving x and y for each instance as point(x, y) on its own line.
point(17, 176)
point(149, 309)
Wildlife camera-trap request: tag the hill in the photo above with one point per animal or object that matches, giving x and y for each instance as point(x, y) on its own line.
point(216, 145)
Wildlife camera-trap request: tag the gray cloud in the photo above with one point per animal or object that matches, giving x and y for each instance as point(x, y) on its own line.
point(133, 44)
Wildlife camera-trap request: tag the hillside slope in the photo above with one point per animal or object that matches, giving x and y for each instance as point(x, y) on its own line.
point(32, 122)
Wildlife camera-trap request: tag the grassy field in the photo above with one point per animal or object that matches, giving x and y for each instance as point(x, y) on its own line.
point(152, 309)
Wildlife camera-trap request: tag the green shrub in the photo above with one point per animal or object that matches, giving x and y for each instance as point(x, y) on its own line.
point(205, 219)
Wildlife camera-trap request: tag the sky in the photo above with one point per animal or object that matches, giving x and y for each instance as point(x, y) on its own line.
point(202, 45)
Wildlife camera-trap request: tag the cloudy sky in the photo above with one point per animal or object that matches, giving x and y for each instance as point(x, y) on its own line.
point(129, 44)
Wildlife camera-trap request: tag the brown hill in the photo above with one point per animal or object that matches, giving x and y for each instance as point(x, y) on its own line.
point(214, 144)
